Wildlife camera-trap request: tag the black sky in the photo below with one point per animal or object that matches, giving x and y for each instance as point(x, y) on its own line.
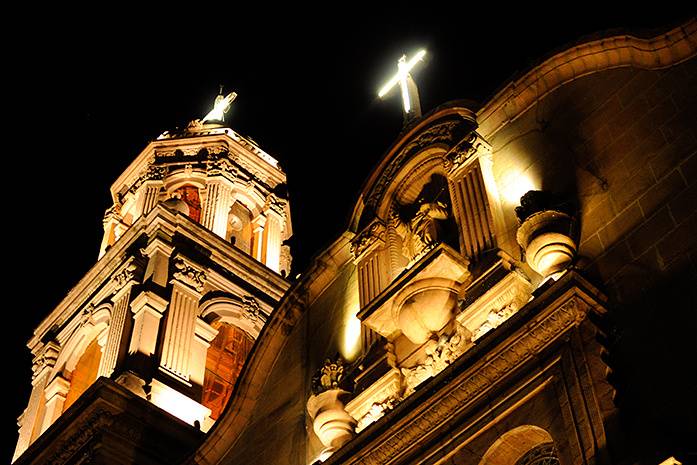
point(88, 90)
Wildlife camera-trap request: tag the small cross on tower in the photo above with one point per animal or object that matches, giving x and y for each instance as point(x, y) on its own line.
point(410, 94)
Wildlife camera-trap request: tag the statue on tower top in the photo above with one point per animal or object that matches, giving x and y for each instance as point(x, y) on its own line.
point(220, 107)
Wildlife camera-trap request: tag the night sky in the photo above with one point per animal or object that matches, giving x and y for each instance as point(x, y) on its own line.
point(86, 96)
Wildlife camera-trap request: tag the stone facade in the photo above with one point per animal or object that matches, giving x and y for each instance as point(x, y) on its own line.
point(445, 325)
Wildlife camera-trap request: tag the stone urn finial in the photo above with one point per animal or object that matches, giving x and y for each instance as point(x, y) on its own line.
point(330, 421)
point(546, 234)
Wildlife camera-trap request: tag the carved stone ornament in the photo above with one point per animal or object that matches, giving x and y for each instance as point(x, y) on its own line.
point(377, 411)
point(123, 277)
point(375, 232)
point(189, 275)
point(444, 133)
point(480, 378)
point(421, 232)
point(97, 422)
point(47, 359)
point(472, 145)
point(252, 310)
point(286, 258)
point(438, 356)
point(493, 320)
point(330, 376)
point(275, 204)
point(112, 213)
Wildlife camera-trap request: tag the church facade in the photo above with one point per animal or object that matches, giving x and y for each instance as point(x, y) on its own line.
point(471, 312)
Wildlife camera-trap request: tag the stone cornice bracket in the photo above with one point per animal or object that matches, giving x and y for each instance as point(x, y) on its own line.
point(470, 147)
point(367, 240)
point(46, 359)
point(188, 275)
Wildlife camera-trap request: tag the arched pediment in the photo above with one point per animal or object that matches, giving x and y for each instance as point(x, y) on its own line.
point(422, 149)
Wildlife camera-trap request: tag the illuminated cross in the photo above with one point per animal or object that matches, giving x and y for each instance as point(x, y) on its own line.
point(410, 95)
point(220, 107)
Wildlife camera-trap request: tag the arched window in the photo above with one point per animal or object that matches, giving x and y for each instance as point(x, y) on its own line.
point(84, 374)
point(189, 194)
point(224, 361)
point(524, 445)
point(239, 227)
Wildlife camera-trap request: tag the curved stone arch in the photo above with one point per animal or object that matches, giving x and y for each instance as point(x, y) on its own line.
point(426, 162)
point(95, 327)
point(230, 309)
point(180, 178)
point(442, 129)
point(662, 51)
point(513, 445)
point(249, 197)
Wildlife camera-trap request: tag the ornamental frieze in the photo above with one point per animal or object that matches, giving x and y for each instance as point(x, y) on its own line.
point(528, 344)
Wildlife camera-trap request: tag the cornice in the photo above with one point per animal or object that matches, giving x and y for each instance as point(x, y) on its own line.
point(517, 97)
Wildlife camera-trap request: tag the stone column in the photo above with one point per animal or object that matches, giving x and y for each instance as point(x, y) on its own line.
point(158, 253)
point(111, 219)
point(148, 193)
point(55, 394)
point(217, 206)
point(43, 365)
point(147, 310)
point(179, 333)
point(258, 225)
point(122, 281)
point(203, 335)
point(469, 198)
point(369, 256)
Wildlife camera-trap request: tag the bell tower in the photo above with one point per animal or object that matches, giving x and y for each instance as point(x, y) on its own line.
point(191, 264)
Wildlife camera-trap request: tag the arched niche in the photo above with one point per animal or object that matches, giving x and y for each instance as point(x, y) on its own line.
point(233, 310)
point(524, 445)
point(187, 186)
point(417, 208)
point(95, 326)
point(238, 323)
point(239, 227)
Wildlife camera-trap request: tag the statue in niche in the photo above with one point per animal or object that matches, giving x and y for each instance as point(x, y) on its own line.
point(424, 223)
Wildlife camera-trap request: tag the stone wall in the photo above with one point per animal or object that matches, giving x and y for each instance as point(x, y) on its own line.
point(622, 145)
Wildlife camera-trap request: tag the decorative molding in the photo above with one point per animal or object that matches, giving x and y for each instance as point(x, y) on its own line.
point(479, 378)
point(493, 320)
point(189, 275)
point(374, 233)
